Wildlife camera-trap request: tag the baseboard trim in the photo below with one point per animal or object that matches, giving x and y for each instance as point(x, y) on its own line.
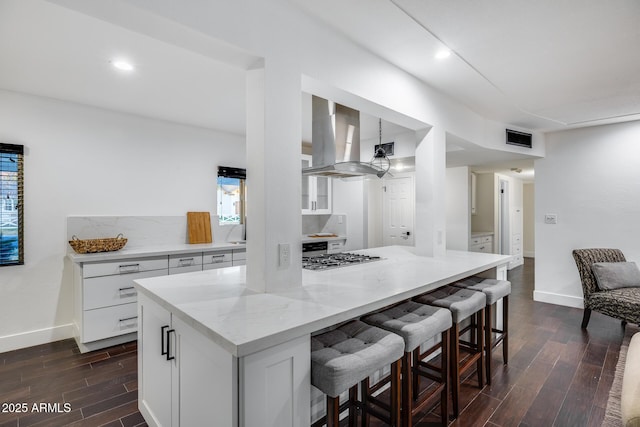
point(37, 337)
point(558, 299)
point(529, 254)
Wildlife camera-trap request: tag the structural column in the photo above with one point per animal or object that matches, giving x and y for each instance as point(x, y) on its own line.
point(274, 230)
point(430, 235)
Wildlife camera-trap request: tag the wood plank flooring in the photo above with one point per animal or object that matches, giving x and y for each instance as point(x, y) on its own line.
point(558, 375)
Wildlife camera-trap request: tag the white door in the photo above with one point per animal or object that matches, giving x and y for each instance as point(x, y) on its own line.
point(398, 211)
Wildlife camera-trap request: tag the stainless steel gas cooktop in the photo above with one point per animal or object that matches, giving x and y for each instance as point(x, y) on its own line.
point(329, 261)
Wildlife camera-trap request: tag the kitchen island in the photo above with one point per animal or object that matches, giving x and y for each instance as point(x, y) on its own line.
point(212, 352)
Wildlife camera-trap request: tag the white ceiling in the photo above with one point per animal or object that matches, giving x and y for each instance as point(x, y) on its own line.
point(540, 65)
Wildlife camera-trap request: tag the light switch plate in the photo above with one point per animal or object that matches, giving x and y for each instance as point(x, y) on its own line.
point(284, 254)
point(550, 218)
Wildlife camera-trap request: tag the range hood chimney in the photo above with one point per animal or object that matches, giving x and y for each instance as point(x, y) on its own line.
point(336, 142)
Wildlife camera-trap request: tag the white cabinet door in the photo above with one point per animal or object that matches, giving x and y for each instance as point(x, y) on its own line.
point(154, 370)
point(316, 192)
point(206, 378)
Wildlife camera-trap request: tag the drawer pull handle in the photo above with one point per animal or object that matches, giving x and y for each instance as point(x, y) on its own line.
point(185, 262)
point(169, 332)
point(130, 290)
point(163, 349)
point(217, 258)
point(129, 268)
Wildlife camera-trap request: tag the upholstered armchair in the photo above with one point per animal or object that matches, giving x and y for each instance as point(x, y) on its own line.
point(621, 303)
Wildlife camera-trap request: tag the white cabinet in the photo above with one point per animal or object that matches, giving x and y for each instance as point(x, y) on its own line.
point(481, 244)
point(217, 259)
point(185, 263)
point(316, 192)
point(239, 257)
point(184, 378)
point(105, 300)
point(335, 246)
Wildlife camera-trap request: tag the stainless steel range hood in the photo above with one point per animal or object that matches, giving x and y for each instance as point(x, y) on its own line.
point(336, 142)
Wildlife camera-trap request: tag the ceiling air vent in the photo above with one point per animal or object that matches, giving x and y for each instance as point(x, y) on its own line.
point(518, 138)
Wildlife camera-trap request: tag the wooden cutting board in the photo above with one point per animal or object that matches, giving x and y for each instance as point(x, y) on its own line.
point(199, 225)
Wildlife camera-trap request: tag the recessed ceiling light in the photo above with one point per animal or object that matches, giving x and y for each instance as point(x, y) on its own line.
point(122, 65)
point(442, 54)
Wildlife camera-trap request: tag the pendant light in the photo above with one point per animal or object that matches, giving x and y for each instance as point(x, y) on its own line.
point(380, 159)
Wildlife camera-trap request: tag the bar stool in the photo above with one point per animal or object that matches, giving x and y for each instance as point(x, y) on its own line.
point(494, 290)
point(463, 303)
point(416, 324)
point(343, 357)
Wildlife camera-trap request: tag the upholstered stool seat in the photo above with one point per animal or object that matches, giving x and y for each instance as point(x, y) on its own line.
point(343, 357)
point(418, 323)
point(494, 290)
point(463, 304)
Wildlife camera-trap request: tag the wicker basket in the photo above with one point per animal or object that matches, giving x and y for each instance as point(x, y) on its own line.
point(98, 245)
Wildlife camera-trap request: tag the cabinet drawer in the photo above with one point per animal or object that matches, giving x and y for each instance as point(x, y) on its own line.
point(475, 241)
point(220, 265)
point(516, 239)
point(109, 322)
point(239, 254)
point(218, 257)
point(239, 262)
point(189, 269)
point(105, 291)
point(109, 268)
point(486, 239)
point(185, 260)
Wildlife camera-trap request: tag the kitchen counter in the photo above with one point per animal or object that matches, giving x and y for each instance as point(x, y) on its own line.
point(481, 233)
point(218, 304)
point(208, 345)
point(152, 250)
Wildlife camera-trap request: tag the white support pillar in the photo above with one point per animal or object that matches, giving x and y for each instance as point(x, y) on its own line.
point(274, 223)
point(430, 235)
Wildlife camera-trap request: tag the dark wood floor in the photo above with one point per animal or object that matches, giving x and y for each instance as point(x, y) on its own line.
point(557, 375)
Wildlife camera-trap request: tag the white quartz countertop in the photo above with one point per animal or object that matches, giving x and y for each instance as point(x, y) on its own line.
point(217, 303)
point(153, 250)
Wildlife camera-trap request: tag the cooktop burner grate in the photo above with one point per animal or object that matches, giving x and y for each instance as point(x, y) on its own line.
point(329, 261)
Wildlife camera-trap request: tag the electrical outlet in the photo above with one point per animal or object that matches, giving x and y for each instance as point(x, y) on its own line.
point(284, 254)
point(550, 218)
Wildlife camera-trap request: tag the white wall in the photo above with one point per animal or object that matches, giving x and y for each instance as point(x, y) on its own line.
point(349, 198)
point(528, 232)
point(458, 208)
point(484, 219)
point(88, 161)
point(590, 178)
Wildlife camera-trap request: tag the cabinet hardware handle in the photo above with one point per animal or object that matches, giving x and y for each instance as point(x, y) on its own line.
point(163, 347)
point(133, 267)
point(169, 332)
point(128, 318)
point(217, 258)
point(128, 288)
